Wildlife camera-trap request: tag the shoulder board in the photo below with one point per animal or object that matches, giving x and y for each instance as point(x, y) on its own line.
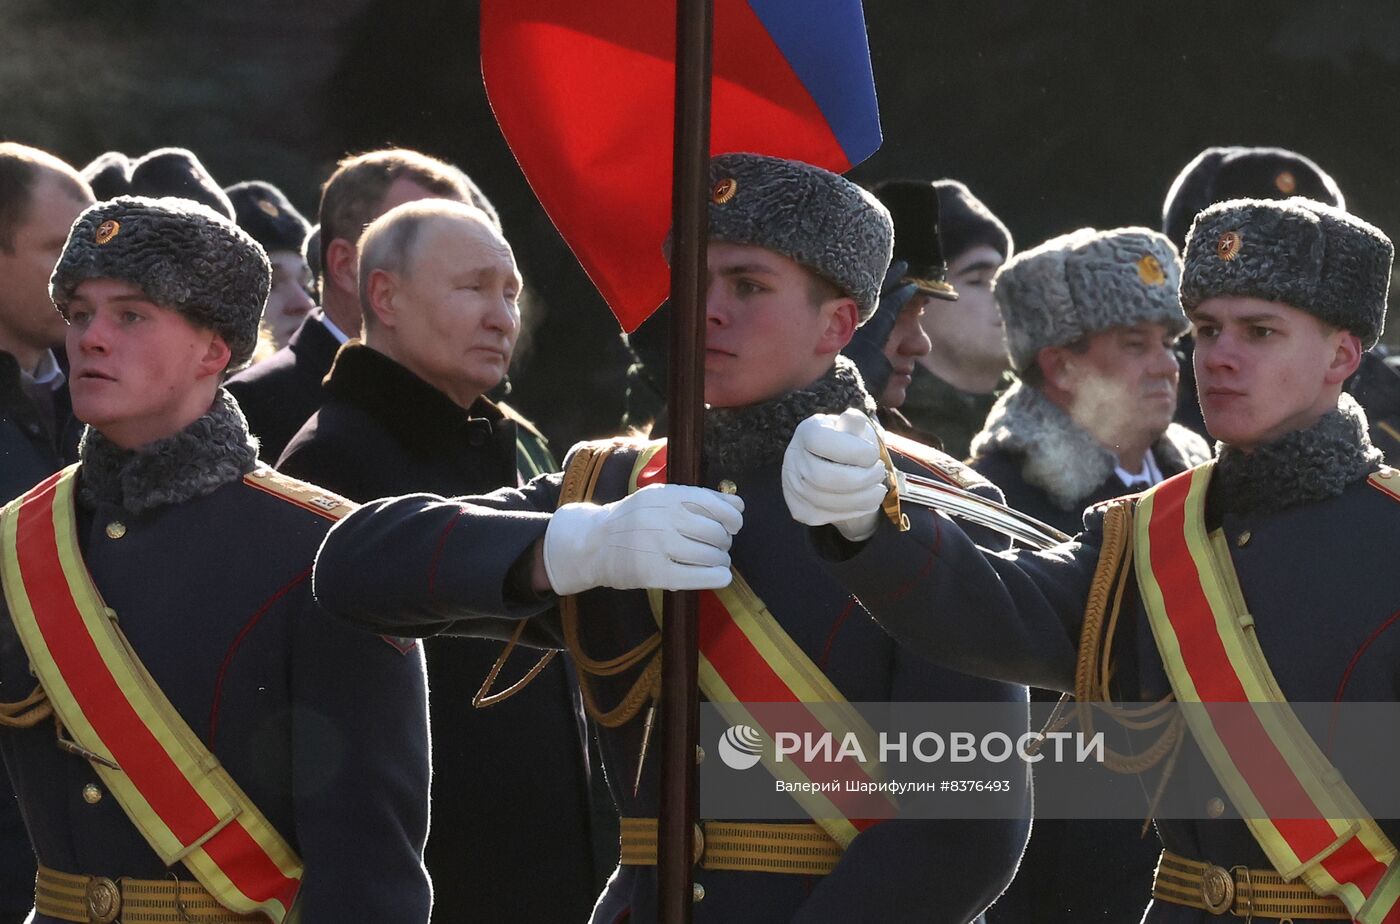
point(939, 463)
point(303, 494)
point(1387, 480)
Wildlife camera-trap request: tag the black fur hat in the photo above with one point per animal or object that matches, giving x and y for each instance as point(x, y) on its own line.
point(964, 222)
point(109, 175)
point(177, 172)
point(1306, 254)
point(262, 211)
point(183, 255)
point(1218, 174)
point(913, 206)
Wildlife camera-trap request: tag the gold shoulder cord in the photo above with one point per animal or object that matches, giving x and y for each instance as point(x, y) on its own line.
point(1094, 668)
point(580, 481)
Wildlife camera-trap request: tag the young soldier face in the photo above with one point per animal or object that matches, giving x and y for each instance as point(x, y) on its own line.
point(289, 302)
point(1265, 369)
point(136, 368)
point(764, 335)
point(907, 345)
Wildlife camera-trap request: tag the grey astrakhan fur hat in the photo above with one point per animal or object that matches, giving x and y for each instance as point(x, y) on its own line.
point(1084, 282)
point(183, 255)
point(810, 215)
point(1312, 256)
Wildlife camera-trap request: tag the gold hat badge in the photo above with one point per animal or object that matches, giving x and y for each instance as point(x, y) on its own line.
point(1150, 271)
point(106, 231)
point(724, 190)
point(1228, 247)
point(269, 209)
point(1286, 182)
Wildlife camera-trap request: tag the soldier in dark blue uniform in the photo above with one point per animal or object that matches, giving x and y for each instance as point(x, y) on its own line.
point(202, 560)
point(783, 298)
point(1284, 298)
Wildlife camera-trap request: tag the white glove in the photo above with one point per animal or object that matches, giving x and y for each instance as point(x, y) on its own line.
point(832, 473)
point(666, 536)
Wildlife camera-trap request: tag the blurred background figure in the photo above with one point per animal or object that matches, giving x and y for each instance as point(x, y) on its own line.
point(40, 196)
point(264, 212)
point(163, 172)
point(955, 385)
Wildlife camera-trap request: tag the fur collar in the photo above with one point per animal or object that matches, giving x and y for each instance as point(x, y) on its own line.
point(211, 452)
point(1062, 458)
point(737, 438)
point(1301, 467)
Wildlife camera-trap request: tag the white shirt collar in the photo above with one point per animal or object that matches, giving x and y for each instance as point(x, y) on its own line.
point(1148, 475)
point(336, 332)
point(46, 373)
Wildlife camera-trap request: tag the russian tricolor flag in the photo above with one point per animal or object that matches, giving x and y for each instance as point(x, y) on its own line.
point(583, 91)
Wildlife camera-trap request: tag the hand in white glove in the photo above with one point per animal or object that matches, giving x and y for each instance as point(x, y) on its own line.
point(667, 536)
point(832, 473)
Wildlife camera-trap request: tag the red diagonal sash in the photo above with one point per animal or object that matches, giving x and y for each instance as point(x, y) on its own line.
point(1304, 817)
point(168, 783)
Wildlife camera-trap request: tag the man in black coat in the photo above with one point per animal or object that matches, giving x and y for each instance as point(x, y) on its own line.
point(40, 196)
point(280, 393)
point(404, 413)
point(1091, 320)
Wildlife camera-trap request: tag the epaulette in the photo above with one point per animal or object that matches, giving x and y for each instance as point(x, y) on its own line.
point(305, 495)
point(937, 462)
point(1386, 480)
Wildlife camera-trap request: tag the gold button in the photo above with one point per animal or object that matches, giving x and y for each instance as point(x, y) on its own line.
point(698, 848)
point(699, 754)
point(1387, 472)
point(728, 487)
point(1215, 807)
point(92, 794)
point(697, 893)
point(1243, 538)
point(116, 529)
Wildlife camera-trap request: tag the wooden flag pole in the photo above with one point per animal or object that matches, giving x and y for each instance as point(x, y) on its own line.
point(679, 707)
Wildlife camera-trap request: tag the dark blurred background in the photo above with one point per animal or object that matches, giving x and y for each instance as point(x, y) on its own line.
point(1059, 115)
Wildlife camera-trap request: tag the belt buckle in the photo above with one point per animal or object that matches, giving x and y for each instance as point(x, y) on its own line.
point(1217, 889)
point(103, 900)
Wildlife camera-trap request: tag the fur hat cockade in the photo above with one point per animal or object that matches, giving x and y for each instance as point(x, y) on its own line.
point(183, 255)
point(1312, 256)
point(1084, 282)
point(810, 215)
